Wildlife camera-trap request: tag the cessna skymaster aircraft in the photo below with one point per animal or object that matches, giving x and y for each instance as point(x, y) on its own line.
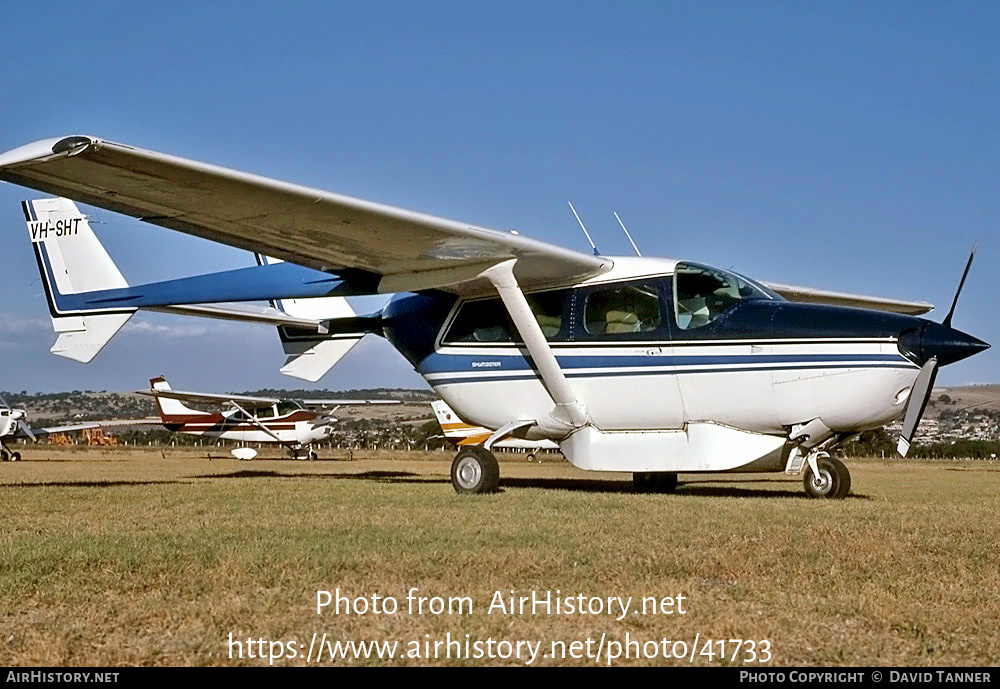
point(649, 366)
point(295, 424)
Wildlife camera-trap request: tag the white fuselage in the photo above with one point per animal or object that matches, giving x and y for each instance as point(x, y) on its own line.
point(297, 428)
point(667, 401)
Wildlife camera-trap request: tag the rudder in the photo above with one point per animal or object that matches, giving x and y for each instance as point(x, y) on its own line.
point(71, 260)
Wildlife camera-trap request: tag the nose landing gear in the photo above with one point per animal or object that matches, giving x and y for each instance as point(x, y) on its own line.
point(831, 480)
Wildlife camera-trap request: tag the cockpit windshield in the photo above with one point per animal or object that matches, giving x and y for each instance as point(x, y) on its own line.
point(702, 294)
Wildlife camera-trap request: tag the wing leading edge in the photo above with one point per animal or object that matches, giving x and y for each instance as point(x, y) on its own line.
point(321, 230)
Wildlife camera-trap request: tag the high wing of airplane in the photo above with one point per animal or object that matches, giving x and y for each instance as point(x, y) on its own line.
point(295, 424)
point(463, 434)
point(650, 366)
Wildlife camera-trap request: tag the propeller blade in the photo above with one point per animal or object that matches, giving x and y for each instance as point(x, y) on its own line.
point(915, 406)
point(26, 429)
point(961, 284)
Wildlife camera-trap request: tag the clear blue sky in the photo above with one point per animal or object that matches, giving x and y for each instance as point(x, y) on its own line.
point(850, 146)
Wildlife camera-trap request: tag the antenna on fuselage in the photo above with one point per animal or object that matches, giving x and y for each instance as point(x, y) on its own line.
point(637, 252)
point(582, 227)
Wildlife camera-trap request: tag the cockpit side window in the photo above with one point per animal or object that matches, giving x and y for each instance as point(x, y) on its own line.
point(702, 294)
point(287, 407)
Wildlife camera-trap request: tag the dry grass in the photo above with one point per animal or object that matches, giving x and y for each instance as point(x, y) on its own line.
point(120, 558)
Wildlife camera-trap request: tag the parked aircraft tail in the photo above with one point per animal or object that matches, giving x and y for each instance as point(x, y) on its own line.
point(456, 430)
point(170, 408)
point(71, 260)
point(312, 353)
point(462, 434)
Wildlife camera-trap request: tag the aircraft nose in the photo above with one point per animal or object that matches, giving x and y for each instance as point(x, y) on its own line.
point(934, 339)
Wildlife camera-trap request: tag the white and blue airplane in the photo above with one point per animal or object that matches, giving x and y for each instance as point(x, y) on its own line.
point(630, 364)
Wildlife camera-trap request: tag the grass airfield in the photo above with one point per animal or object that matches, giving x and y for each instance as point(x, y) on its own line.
point(123, 557)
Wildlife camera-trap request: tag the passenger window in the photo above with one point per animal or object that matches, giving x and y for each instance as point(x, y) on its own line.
point(483, 320)
point(622, 309)
point(487, 320)
point(548, 310)
point(702, 294)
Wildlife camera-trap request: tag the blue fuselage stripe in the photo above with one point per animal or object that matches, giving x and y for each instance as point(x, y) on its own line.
point(457, 363)
point(682, 372)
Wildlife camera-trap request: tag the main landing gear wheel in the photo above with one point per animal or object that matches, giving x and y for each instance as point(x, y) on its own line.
point(475, 470)
point(834, 480)
point(654, 481)
point(15, 456)
point(4, 455)
point(313, 456)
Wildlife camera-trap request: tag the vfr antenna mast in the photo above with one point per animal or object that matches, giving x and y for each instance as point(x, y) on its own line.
point(637, 252)
point(582, 227)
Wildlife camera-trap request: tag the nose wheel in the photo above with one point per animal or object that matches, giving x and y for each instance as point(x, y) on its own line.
point(833, 480)
point(475, 470)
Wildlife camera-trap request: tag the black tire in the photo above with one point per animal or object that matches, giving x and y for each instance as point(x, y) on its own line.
point(654, 481)
point(834, 483)
point(475, 470)
point(15, 456)
point(4, 456)
point(313, 456)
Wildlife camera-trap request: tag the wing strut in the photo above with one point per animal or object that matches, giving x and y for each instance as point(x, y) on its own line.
point(254, 421)
point(569, 412)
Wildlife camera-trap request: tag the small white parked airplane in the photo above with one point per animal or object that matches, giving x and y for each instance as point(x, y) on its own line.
point(295, 424)
point(14, 425)
point(463, 434)
point(645, 365)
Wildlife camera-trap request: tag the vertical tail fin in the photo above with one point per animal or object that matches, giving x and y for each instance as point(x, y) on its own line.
point(311, 354)
point(71, 260)
point(452, 426)
point(168, 406)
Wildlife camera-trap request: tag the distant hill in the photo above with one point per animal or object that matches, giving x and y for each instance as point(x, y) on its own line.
point(986, 397)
